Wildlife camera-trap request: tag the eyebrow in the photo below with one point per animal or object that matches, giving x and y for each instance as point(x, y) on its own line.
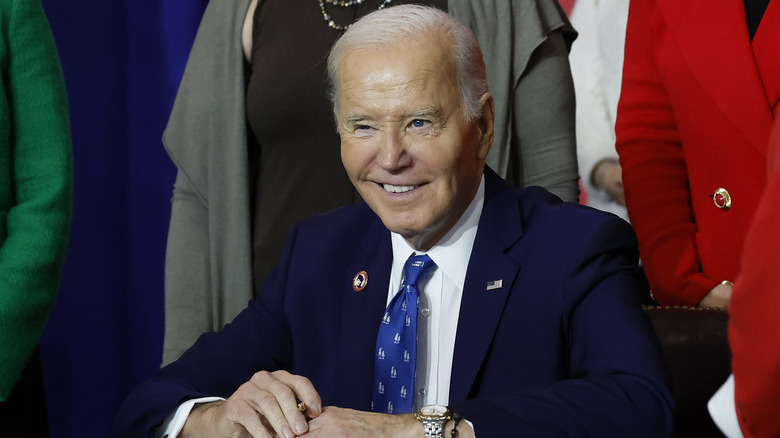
point(351, 120)
point(432, 111)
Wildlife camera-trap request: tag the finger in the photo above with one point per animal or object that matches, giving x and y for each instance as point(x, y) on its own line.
point(301, 389)
point(275, 400)
point(245, 415)
point(305, 392)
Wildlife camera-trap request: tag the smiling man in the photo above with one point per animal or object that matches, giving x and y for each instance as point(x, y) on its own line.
point(407, 145)
point(448, 304)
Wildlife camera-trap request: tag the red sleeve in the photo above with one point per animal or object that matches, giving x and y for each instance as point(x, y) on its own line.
point(754, 323)
point(655, 176)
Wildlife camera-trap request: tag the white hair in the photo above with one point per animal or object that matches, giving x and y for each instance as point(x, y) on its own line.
point(390, 26)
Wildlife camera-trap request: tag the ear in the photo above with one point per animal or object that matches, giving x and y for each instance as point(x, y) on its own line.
point(485, 125)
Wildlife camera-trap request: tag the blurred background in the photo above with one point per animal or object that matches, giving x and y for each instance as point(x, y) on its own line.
point(122, 61)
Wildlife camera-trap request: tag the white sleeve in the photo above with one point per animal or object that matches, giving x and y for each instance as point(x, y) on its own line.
point(595, 128)
point(172, 425)
point(723, 409)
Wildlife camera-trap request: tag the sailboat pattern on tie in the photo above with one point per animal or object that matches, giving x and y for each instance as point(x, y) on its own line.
point(396, 355)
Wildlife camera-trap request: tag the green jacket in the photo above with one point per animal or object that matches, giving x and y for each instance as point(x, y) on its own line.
point(36, 188)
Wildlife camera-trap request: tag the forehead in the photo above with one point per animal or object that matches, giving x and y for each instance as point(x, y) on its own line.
point(420, 67)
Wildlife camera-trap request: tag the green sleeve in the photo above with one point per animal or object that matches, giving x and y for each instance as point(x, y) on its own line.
point(37, 190)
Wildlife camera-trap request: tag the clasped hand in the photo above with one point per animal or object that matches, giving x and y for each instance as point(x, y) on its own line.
point(719, 296)
point(267, 406)
point(608, 176)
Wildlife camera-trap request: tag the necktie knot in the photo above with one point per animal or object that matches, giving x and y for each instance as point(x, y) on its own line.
point(416, 268)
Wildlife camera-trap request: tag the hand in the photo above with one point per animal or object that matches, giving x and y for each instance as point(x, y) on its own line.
point(356, 424)
point(719, 296)
point(338, 422)
point(264, 407)
point(608, 176)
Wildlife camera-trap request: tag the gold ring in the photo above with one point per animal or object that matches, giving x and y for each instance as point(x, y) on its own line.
point(302, 406)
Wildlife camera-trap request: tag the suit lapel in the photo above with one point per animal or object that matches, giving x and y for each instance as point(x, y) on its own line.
point(481, 309)
point(766, 44)
point(362, 311)
point(714, 42)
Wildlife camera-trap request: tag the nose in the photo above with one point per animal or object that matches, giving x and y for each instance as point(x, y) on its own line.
point(393, 154)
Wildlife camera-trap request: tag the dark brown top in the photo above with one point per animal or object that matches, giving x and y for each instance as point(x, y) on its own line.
point(295, 161)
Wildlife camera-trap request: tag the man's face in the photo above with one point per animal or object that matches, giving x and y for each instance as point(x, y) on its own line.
point(404, 140)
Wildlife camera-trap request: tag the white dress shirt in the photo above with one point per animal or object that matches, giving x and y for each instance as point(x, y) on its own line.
point(437, 320)
point(439, 305)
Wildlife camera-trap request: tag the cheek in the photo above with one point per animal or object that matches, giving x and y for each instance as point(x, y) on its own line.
point(355, 157)
point(345, 157)
point(348, 155)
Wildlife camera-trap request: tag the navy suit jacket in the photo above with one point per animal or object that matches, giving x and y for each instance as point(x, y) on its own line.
point(563, 348)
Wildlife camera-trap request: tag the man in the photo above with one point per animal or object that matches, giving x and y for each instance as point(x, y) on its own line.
point(528, 324)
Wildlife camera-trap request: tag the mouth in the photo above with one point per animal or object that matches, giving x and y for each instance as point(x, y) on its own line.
point(398, 189)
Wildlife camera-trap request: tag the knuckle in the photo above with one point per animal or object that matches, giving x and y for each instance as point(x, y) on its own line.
point(261, 379)
point(261, 375)
point(279, 373)
point(266, 399)
point(301, 380)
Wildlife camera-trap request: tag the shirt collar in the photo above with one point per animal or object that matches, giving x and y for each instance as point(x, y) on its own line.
point(452, 253)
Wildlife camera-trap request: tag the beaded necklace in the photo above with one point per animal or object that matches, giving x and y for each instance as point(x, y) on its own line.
point(343, 4)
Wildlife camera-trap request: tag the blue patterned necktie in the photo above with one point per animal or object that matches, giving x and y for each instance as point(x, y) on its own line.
point(396, 343)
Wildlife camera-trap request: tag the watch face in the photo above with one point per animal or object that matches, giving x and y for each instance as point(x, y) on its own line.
point(434, 411)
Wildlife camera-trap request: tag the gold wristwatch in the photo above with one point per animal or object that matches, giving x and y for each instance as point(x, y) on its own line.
point(433, 418)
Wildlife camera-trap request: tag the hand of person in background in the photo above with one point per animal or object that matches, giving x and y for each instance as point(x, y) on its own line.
point(265, 406)
point(719, 296)
point(608, 176)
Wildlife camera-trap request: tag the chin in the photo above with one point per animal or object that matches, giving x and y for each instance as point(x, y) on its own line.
point(400, 227)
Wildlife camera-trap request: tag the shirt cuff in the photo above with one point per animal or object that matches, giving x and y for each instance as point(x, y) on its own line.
point(172, 425)
point(723, 409)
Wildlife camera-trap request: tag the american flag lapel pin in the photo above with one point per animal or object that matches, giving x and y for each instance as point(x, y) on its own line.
point(495, 284)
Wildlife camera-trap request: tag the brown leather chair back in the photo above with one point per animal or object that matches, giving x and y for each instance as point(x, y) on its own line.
point(695, 343)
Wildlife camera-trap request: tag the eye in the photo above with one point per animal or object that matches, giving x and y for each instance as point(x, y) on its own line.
point(418, 123)
point(421, 127)
point(363, 130)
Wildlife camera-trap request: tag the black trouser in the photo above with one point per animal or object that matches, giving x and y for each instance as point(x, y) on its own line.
point(24, 413)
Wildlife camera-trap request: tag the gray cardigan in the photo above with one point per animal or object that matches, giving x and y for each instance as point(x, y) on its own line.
point(208, 267)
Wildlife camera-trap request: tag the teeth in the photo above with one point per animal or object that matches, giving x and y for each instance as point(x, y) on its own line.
point(397, 189)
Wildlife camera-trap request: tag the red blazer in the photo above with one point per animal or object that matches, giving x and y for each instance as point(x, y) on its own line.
point(753, 314)
point(694, 116)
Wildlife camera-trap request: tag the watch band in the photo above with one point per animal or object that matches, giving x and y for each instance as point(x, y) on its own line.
point(433, 428)
point(433, 418)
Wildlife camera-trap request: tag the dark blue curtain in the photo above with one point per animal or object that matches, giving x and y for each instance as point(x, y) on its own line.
point(122, 61)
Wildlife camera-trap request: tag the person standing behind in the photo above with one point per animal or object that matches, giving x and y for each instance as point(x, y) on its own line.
point(597, 69)
point(747, 404)
point(700, 89)
point(36, 194)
